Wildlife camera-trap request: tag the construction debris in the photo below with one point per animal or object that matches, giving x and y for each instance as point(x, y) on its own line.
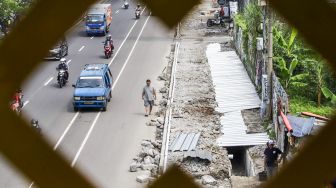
point(200, 154)
point(184, 142)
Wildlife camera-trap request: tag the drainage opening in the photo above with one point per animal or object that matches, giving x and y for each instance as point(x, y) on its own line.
point(237, 157)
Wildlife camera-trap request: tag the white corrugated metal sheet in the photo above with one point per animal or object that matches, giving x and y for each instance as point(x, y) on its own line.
point(184, 142)
point(234, 92)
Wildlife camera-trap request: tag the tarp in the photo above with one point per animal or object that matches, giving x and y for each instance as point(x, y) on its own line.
point(301, 126)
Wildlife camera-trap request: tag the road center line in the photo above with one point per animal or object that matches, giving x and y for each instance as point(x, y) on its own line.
point(66, 131)
point(68, 62)
point(25, 103)
point(61, 138)
point(130, 54)
point(91, 37)
point(47, 82)
point(114, 84)
point(81, 48)
point(123, 42)
point(85, 140)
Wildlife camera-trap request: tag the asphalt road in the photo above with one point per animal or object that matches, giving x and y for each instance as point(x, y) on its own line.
point(100, 144)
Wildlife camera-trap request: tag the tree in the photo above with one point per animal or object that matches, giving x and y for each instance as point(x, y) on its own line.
point(9, 9)
point(287, 60)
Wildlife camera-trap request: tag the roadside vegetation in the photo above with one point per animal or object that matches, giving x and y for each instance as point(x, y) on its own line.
point(11, 11)
point(305, 76)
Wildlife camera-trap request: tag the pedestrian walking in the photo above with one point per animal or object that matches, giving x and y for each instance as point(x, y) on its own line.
point(272, 154)
point(148, 95)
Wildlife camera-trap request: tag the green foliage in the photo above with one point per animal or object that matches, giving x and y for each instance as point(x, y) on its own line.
point(288, 60)
point(329, 95)
point(240, 21)
point(249, 20)
point(302, 104)
point(9, 9)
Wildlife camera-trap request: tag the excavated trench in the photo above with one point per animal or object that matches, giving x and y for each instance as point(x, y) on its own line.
point(241, 161)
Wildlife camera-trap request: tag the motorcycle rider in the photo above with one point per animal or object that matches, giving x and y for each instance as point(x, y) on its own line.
point(63, 66)
point(221, 13)
point(125, 5)
point(109, 42)
point(138, 8)
point(34, 123)
point(18, 96)
point(137, 11)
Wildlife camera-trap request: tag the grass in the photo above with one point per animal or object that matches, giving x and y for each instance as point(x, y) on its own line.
point(301, 104)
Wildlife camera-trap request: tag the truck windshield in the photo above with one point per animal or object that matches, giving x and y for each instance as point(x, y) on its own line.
point(90, 82)
point(94, 18)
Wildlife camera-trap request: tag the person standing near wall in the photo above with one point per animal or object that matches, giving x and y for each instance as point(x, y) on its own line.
point(272, 154)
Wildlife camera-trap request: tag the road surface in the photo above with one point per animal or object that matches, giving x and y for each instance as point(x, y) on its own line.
point(100, 144)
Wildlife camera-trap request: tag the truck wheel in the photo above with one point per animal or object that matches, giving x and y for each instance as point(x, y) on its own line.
point(75, 109)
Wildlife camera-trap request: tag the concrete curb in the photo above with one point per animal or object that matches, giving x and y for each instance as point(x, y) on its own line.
point(166, 130)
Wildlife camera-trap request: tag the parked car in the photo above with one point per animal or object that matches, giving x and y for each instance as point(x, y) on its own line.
point(93, 88)
point(59, 51)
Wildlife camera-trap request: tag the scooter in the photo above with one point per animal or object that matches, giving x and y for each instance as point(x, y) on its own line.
point(137, 14)
point(107, 51)
point(35, 126)
point(125, 5)
point(61, 78)
point(218, 21)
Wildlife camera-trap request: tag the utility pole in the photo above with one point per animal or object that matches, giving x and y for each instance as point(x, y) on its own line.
point(269, 61)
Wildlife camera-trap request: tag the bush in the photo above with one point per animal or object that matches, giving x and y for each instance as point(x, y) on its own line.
point(302, 104)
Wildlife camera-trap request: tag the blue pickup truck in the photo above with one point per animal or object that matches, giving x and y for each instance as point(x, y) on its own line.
point(93, 88)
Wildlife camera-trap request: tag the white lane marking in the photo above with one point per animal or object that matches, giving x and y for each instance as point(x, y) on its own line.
point(25, 103)
point(85, 140)
point(80, 49)
point(68, 62)
point(66, 131)
point(62, 137)
point(123, 42)
point(114, 84)
point(130, 54)
point(91, 38)
point(117, 12)
point(47, 82)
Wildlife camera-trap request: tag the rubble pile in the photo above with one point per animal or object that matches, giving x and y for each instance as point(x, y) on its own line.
point(147, 161)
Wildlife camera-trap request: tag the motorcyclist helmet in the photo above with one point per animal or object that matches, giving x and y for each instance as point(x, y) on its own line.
point(63, 60)
point(138, 5)
point(34, 122)
point(109, 37)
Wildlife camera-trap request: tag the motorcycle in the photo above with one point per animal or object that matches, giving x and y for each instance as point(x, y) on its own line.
point(218, 21)
point(125, 5)
point(137, 14)
point(61, 78)
point(107, 51)
point(35, 125)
